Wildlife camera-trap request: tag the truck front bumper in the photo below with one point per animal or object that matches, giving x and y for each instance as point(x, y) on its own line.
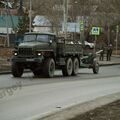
point(27, 60)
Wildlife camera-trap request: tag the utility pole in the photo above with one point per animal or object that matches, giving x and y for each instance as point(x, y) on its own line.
point(20, 10)
point(30, 16)
point(108, 31)
point(117, 31)
point(65, 16)
point(6, 18)
point(82, 24)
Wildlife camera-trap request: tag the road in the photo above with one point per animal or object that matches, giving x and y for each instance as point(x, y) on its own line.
point(28, 78)
point(31, 97)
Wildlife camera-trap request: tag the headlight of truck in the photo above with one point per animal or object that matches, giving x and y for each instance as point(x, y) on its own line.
point(39, 53)
point(15, 53)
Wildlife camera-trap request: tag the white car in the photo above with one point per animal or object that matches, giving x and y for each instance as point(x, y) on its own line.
point(89, 45)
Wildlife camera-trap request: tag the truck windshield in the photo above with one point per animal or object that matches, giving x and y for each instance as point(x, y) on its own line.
point(42, 38)
point(39, 38)
point(29, 38)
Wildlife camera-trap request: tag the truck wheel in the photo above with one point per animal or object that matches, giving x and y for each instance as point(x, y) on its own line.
point(95, 67)
point(75, 66)
point(37, 73)
point(49, 68)
point(68, 68)
point(17, 70)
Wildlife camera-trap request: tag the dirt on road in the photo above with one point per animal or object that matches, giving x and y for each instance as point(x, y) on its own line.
point(107, 112)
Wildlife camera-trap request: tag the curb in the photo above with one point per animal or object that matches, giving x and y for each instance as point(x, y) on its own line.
point(109, 64)
point(75, 110)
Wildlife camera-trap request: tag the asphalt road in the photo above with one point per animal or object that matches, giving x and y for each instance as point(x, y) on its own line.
point(28, 78)
point(28, 97)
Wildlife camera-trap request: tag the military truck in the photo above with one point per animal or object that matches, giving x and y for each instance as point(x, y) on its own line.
point(42, 53)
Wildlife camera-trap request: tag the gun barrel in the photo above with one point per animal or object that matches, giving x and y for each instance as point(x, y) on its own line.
point(99, 51)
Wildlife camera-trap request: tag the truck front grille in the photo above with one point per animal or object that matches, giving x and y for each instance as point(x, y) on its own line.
point(25, 51)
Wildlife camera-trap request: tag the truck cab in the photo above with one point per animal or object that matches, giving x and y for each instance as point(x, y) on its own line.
point(32, 52)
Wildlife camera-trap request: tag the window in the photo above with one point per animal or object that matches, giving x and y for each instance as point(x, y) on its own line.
point(42, 38)
point(29, 38)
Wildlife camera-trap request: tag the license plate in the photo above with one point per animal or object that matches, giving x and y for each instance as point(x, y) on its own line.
point(30, 60)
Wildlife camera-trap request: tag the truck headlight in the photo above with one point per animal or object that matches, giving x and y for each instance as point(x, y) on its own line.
point(15, 53)
point(39, 54)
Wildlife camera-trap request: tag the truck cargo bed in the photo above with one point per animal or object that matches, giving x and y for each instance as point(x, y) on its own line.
point(69, 48)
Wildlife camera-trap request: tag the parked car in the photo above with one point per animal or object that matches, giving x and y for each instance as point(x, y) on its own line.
point(89, 45)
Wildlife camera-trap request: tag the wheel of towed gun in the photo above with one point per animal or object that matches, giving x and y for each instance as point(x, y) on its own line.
point(95, 67)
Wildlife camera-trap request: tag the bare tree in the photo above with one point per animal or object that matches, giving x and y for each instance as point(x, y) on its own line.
point(103, 13)
point(51, 9)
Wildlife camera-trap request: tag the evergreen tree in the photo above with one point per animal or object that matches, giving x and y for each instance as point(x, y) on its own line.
point(22, 25)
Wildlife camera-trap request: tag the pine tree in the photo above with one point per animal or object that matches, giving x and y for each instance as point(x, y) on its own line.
point(22, 25)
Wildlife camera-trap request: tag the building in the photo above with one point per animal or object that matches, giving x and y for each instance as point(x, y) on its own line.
point(7, 27)
point(41, 24)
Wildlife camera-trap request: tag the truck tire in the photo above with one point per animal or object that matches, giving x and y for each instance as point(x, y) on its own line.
point(17, 70)
point(37, 73)
point(95, 67)
point(68, 68)
point(49, 68)
point(75, 66)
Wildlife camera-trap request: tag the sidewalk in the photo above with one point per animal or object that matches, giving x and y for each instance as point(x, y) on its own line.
point(5, 65)
point(107, 112)
point(115, 60)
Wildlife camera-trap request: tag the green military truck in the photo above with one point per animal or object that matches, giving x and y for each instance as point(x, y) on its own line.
point(42, 53)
